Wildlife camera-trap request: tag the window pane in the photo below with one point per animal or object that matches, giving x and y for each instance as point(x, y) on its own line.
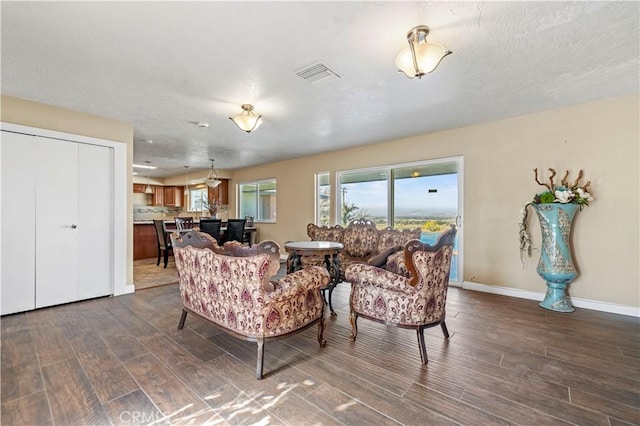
point(248, 200)
point(197, 198)
point(364, 195)
point(267, 201)
point(258, 199)
point(323, 194)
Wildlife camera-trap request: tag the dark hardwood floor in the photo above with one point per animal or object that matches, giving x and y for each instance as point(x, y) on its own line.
point(121, 360)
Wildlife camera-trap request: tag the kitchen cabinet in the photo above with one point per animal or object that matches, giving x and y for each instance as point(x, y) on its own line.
point(157, 199)
point(138, 188)
point(221, 192)
point(173, 196)
point(145, 242)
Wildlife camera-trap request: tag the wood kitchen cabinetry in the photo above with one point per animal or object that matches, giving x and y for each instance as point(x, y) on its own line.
point(220, 192)
point(157, 199)
point(145, 242)
point(138, 188)
point(173, 196)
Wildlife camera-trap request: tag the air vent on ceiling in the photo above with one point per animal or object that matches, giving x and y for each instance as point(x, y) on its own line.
point(317, 73)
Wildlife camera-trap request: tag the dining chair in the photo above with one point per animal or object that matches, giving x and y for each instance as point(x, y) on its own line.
point(183, 223)
point(211, 227)
point(164, 243)
point(235, 230)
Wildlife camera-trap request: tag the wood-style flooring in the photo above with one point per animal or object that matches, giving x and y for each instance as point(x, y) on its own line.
point(122, 361)
point(146, 274)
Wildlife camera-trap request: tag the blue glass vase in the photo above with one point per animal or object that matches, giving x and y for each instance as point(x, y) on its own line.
point(556, 264)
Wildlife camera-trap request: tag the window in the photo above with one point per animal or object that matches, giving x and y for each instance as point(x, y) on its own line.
point(363, 195)
point(424, 194)
point(197, 200)
point(258, 199)
point(323, 199)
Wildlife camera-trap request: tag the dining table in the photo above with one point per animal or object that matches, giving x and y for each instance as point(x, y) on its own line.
point(249, 231)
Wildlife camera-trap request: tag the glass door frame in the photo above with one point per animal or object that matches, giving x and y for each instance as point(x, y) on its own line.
point(459, 160)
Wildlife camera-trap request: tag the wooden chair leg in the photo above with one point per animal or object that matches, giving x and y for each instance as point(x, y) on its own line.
point(353, 318)
point(183, 318)
point(321, 339)
point(166, 257)
point(159, 255)
point(422, 346)
point(444, 330)
point(260, 361)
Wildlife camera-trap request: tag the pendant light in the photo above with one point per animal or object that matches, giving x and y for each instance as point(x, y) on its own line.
point(186, 180)
point(148, 189)
point(212, 178)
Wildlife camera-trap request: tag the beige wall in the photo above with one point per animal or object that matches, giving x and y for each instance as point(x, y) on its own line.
point(27, 113)
point(601, 138)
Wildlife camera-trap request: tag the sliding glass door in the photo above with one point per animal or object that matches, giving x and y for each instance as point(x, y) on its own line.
point(363, 195)
point(426, 194)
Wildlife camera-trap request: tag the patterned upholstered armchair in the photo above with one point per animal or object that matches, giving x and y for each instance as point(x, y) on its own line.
point(417, 301)
point(230, 287)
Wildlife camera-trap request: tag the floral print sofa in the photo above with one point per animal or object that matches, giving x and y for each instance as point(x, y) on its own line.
point(363, 242)
point(230, 287)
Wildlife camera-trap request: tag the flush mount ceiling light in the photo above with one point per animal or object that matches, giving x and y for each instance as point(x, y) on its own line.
point(212, 178)
point(421, 57)
point(247, 120)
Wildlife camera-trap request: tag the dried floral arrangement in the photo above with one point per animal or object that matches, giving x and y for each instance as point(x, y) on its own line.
point(563, 193)
point(212, 205)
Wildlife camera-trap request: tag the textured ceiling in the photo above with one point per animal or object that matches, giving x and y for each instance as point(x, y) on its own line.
point(165, 66)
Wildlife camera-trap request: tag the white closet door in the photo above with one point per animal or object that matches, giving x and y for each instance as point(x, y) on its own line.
point(95, 228)
point(56, 223)
point(18, 166)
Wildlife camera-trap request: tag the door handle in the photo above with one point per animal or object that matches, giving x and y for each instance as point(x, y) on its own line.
point(74, 226)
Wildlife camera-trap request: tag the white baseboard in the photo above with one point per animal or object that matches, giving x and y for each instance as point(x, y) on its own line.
point(595, 305)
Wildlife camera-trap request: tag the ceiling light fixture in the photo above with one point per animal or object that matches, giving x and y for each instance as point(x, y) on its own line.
point(247, 120)
point(421, 57)
point(212, 178)
point(140, 166)
point(186, 180)
point(148, 189)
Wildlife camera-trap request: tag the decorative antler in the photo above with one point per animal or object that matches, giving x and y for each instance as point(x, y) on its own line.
point(564, 182)
point(540, 183)
point(586, 185)
point(577, 182)
point(553, 173)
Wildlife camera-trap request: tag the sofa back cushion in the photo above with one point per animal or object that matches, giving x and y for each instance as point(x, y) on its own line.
point(323, 233)
point(390, 237)
point(360, 240)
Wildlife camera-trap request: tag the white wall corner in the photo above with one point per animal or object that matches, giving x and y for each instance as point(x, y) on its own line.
point(595, 305)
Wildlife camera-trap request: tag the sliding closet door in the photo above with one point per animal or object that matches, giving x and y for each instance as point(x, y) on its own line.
point(57, 223)
point(95, 271)
point(18, 180)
